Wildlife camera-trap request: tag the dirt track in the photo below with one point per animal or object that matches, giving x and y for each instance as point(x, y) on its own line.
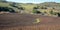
point(24, 22)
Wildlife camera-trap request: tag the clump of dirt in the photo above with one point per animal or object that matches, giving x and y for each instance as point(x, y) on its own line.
point(4, 12)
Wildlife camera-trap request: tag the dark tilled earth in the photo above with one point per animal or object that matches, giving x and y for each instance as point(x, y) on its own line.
point(19, 20)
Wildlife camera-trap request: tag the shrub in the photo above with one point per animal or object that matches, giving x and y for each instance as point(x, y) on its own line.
point(6, 9)
point(36, 11)
point(35, 8)
point(21, 8)
point(43, 7)
point(51, 12)
point(14, 5)
point(58, 14)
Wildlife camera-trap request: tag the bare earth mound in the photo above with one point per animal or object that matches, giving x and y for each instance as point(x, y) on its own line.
point(25, 22)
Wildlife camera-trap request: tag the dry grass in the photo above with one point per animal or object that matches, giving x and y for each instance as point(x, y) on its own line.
point(24, 22)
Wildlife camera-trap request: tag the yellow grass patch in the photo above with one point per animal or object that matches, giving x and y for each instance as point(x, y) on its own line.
point(37, 20)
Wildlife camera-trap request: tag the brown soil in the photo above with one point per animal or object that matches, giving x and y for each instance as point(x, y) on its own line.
point(25, 22)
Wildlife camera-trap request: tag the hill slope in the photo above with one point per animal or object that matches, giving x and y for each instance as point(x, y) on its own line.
point(42, 8)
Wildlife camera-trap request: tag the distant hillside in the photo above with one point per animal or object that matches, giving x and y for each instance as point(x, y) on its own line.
point(46, 8)
point(18, 6)
point(50, 4)
point(3, 1)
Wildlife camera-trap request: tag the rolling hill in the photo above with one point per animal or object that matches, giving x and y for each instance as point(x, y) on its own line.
point(42, 8)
